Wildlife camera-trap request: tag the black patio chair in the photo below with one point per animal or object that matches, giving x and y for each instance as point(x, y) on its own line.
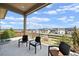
point(23, 40)
point(35, 43)
point(63, 48)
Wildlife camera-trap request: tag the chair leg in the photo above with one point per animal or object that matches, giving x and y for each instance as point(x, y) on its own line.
point(26, 44)
point(29, 46)
point(35, 49)
point(40, 46)
point(48, 51)
point(18, 44)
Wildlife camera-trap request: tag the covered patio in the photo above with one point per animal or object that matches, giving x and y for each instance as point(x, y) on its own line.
point(24, 9)
point(11, 48)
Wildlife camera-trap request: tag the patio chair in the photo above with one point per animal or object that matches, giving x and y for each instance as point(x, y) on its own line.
point(35, 43)
point(64, 49)
point(23, 40)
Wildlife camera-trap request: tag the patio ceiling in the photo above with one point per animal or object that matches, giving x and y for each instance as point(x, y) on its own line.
point(21, 8)
point(2, 13)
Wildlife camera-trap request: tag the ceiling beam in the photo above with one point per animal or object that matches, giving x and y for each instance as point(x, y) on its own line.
point(11, 8)
point(36, 7)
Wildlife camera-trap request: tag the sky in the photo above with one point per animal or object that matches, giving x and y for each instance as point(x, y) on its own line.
point(56, 15)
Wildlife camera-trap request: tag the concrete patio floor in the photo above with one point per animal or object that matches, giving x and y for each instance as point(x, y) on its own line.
point(12, 49)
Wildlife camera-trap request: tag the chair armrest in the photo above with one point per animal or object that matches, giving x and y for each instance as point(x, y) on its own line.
point(31, 41)
point(52, 46)
point(19, 39)
point(49, 50)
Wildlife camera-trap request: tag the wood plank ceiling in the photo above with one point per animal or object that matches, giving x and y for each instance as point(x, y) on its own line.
point(2, 13)
point(21, 8)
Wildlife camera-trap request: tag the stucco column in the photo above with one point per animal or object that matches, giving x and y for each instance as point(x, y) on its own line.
point(24, 25)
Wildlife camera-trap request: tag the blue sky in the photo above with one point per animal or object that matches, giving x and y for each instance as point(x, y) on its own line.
point(57, 15)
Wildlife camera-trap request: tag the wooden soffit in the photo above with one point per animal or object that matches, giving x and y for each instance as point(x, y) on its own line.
point(2, 13)
point(22, 8)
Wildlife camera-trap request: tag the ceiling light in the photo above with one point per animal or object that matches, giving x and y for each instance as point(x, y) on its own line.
point(23, 7)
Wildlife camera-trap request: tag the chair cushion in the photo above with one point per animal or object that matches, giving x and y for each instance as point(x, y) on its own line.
point(34, 43)
point(54, 48)
point(64, 48)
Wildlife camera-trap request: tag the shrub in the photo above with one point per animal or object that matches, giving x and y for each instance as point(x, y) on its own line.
point(66, 39)
point(8, 34)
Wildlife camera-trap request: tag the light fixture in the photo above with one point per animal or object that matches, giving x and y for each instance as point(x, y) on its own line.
point(23, 7)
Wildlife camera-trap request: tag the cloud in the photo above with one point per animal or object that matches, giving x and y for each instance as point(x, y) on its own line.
point(13, 23)
point(66, 19)
point(6, 26)
point(62, 18)
point(1, 22)
point(33, 25)
point(71, 17)
point(51, 12)
point(76, 23)
point(11, 18)
point(19, 19)
point(35, 13)
point(38, 19)
point(58, 10)
point(49, 6)
point(71, 7)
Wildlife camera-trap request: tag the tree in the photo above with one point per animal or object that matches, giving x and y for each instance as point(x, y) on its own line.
point(78, 37)
point(75, 37)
